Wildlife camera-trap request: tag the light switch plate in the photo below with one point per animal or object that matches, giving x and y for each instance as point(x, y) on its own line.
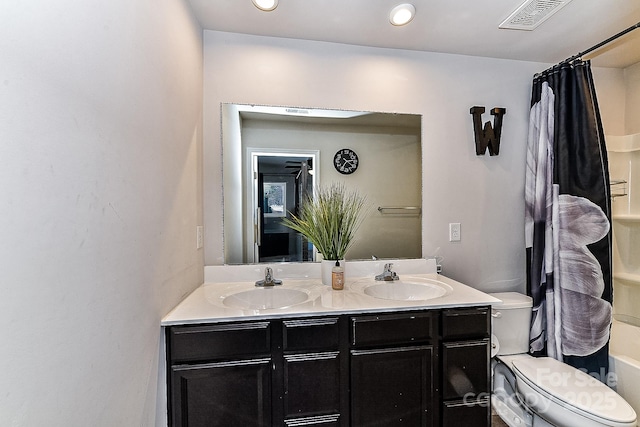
point(454, 232)
point(199, 236)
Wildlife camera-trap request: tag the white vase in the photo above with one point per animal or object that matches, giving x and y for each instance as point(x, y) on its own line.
point(325, 269)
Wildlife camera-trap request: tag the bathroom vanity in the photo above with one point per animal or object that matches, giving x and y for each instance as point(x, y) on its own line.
point(341, 358)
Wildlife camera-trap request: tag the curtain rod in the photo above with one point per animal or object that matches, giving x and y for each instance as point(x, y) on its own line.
point(592, 48)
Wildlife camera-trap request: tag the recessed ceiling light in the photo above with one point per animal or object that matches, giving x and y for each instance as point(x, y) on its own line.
point(266, 5)
point(402, 14)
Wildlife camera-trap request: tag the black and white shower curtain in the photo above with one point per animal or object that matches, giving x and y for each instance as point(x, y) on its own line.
point(568, 232)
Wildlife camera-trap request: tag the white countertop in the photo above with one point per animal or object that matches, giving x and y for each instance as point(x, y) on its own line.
point(205, 304)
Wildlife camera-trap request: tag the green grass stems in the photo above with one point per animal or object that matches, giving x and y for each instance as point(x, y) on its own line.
point(330, 220)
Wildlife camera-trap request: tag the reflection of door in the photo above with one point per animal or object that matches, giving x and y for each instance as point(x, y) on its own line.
point(281, 182)
point(273, 244)
point(260, 212)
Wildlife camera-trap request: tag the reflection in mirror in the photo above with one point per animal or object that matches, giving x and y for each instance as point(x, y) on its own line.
point(286, 180)
point(274, 195)
point(274, 157)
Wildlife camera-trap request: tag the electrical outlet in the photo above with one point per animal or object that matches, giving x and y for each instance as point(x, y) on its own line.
point(454, 232)
point(199, 236)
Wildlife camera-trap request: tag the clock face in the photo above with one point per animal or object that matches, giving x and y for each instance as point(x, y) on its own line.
point(345, 161)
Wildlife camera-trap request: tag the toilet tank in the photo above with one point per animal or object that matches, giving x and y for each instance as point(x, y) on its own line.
point(511, 322)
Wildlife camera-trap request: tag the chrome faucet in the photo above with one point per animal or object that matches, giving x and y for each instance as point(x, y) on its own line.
point(268, 279)
point(388, 275)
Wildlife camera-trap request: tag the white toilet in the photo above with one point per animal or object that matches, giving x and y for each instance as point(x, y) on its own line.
point(541, 391)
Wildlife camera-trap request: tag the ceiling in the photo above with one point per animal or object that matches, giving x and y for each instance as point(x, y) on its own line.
point(466, 27)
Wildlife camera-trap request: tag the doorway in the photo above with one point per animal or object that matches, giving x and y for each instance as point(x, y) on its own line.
point(282, 182)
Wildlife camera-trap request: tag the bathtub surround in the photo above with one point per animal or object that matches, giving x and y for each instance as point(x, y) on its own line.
point(624, 360)
point(624, 166)
point(623, 144)
point(568, 215)
point(624, 156)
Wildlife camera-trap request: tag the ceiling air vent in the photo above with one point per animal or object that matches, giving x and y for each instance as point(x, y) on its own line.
point(532, 13)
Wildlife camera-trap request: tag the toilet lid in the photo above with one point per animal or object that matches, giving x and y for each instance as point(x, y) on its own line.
point(573, 389)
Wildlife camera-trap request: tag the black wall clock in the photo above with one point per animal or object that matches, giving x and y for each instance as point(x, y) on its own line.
point(345, 161)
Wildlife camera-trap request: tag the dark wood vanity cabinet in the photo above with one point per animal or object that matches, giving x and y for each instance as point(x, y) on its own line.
point(263, 373)
point(413, 368)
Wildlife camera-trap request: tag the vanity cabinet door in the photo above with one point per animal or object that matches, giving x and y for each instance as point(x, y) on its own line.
point(220, 374)
point(222, 394)
point(392, 387)
point(465, 374)
point(312, 385)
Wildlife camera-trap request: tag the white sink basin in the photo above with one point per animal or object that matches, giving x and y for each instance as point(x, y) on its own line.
point(265, 298)
point(411, 289)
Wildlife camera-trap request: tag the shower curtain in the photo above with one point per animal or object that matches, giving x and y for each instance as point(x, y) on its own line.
point(567, 224)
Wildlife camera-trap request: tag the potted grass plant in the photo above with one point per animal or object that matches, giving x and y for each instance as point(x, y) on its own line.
point(329, 221)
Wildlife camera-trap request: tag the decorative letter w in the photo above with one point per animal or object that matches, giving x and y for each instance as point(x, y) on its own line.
point(487, 137)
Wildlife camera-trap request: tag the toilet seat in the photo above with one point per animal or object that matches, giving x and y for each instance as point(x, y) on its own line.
point(569, 388)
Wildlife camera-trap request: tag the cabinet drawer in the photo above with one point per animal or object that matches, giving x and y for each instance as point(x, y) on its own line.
point(311, 334)
point(393, 329)
point(465, 369)
point(461, 323)
point(469, 414)
point(223, 340)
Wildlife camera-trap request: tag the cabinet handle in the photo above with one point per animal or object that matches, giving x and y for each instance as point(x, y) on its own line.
point(311, 322)
point(311, 356)
point(231, 363)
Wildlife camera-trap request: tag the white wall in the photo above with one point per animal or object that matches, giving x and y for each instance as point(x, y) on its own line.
point(626, 244)
point(485, 194)
point(611, 93)
point(100, 194)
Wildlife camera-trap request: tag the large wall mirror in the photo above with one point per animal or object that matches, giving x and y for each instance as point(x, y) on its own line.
point(275, 157)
